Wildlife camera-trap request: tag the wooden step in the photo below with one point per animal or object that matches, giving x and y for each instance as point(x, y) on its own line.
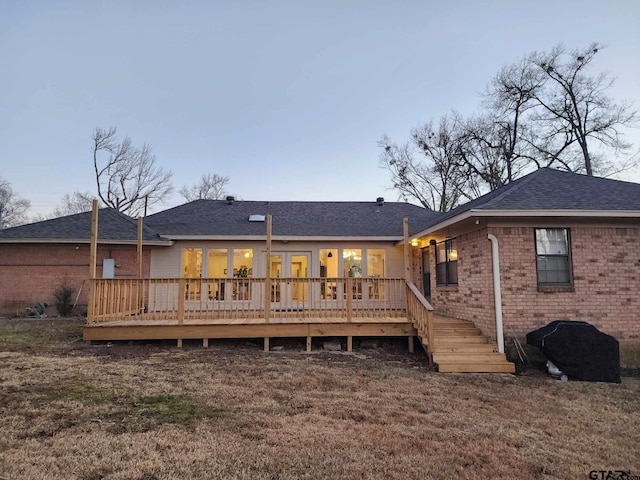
point(448, 331)
point(461, 323)
point(448, 340)
point(466, 357)
point(502, 367)
point(466, 348)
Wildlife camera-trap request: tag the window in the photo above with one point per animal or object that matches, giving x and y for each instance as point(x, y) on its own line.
point(553, 256)
point(352, 267)
point(192, 269)
point(217, 268)
point(447, 262)
point(352, 262)
point(242, 269)
point(375, 269)
point(375, 263)
point(328, 269)
point(242, 262)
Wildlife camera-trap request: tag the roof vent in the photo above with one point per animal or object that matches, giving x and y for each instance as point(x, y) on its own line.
point(230, 200)
point(380, 201)
point(257, 218)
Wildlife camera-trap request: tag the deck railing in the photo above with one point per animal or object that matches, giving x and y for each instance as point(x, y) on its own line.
point(420, 312)
point(245, 298)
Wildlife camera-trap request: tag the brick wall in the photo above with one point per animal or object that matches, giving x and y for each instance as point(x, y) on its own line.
point(32, 273)
point(606, 272)
point(606, 277)
point(472, 298)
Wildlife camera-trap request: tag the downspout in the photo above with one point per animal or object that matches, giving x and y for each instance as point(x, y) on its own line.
point(497, 292)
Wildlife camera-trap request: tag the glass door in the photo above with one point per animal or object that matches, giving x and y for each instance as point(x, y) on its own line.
point(289, 287)
point(299, 285)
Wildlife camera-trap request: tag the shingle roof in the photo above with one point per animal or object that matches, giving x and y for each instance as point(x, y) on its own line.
point(321, 219)
point(549, 189)
point(112, 226)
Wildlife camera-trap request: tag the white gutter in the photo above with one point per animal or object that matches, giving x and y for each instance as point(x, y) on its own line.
point(82, 241)
point(560, 213)
point(288, 238)
point(497, 292)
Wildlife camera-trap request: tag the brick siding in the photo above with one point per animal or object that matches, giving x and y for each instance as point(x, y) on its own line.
point(606, 278)
point(32, 273)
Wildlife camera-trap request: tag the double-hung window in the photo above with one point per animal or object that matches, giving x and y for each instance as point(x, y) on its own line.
point(553, 256)
point(447, 262)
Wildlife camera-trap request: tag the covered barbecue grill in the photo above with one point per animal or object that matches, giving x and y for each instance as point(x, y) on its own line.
point(579, 350)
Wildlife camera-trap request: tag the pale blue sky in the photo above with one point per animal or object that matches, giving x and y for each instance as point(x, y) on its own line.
point(287, 98)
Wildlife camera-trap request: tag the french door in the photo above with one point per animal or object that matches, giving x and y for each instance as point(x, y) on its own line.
point(289, 285)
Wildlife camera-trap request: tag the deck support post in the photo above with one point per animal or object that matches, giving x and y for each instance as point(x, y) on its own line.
point(267, 274)
point(349, 343)
point(410, 341)
point(266, 344)
point(140, 299)
point(205, 343)
point(308, 343)
point(407, 251)
point(179, 343)
point(93, 254)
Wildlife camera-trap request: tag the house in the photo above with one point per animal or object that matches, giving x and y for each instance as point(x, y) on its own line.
point(39, 258)
point(551, 245)
point(226, 239)
point(268, 269)
point(245, 269)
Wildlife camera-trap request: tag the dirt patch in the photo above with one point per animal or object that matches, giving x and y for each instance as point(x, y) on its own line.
point(151, 411)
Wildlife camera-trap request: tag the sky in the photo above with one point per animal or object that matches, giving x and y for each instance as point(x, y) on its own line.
point(287, 98)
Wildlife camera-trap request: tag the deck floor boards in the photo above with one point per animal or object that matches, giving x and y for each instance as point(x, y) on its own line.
point(147, 322)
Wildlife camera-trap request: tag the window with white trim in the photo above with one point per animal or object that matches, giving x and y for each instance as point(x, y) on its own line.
point(553, 256)
point(447, 262)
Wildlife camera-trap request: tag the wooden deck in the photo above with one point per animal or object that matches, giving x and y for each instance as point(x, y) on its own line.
point(146, 309)
point(154, 329)
point(166, 309)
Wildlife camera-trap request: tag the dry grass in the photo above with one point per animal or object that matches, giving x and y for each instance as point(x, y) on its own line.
point(71, 410)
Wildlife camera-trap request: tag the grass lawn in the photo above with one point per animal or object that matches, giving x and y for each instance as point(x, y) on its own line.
point(70, 410)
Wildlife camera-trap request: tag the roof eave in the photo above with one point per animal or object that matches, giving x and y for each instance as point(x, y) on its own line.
point(564, 213)
point(157, 243)
point(301, 238)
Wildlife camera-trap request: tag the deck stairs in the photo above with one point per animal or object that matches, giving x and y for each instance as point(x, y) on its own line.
point(459, 346)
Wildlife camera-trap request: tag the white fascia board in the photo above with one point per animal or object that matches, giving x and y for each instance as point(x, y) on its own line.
point(563, 213)
point(84, 240)
point(290, 238)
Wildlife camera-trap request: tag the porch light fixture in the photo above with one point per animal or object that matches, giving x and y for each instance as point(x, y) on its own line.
point(257, 218)
point(414, 242)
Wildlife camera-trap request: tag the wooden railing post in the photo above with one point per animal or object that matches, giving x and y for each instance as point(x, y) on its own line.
point(430, 334)
point(420, 312)
point(182, 289)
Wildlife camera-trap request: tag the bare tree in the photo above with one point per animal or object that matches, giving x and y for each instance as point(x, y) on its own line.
point(127, 177)
point(544, 111)
point(575, 106)
point(71, 204)
point(13, 208)
point(426, 167)
point(211, 187)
